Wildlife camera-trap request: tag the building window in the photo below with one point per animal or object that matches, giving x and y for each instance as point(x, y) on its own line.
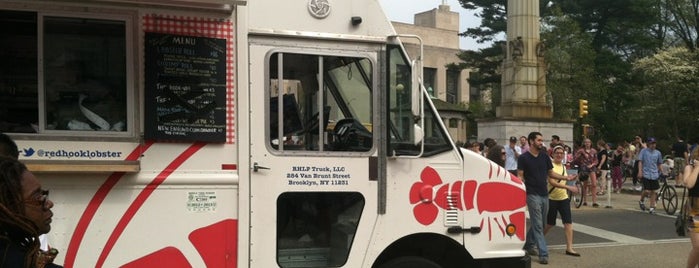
point(453, 123)
point(453, 86)
point(81, 80)
point(429, 75)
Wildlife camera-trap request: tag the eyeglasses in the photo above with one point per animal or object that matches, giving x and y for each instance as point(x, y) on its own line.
point(503, 153)
point(40, 199)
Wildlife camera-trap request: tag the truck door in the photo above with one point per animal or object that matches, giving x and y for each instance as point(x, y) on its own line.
point(312, 112)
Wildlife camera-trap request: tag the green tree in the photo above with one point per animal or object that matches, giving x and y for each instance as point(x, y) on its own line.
point(570, 65)
point(682, 20)
point(670, 91)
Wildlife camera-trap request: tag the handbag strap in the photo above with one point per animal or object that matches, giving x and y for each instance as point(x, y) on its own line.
point(559, 181)
point(683, 211)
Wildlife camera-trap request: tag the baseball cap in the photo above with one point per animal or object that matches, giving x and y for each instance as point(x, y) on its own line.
point(650, 140)
point(513, 139)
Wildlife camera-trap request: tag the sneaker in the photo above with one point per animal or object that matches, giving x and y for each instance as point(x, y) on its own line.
point(643, 206)
point(544, 260)
point(651, 210)
point(532, 252)
point(595, 205)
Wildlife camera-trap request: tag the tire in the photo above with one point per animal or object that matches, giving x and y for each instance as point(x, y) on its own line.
point(669, 199)
point(410, 262)
point(576, 198)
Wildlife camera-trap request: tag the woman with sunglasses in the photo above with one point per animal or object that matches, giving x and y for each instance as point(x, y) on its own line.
point(25, 213)
point(497, 154)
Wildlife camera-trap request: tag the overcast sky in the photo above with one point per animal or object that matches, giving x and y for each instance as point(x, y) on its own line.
point(405, 10)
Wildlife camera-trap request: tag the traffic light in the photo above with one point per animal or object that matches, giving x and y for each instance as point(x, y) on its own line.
point(583, 107)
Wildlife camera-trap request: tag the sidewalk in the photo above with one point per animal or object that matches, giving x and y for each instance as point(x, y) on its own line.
point(617, 236)
point(629, 196)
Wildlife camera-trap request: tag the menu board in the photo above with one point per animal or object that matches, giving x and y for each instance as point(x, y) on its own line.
point(185, 87)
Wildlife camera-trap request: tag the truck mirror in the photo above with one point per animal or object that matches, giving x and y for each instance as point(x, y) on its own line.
point(415, 89)
point(418, 134)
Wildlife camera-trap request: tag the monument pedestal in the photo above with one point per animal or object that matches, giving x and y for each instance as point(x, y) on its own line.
point(524, 110)
point(501, 129)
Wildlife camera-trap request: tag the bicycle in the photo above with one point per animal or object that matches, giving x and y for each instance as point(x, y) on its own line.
point(667, 195)
point(627, 171)
point(576, 199)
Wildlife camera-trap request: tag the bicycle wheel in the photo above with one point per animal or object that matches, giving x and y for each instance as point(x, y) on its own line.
point(669, 199)
point(576, 198)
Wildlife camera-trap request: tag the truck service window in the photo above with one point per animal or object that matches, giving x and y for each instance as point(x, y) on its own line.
point(325, 104)
point(62, 74)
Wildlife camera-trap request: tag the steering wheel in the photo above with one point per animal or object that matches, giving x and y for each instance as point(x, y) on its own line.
point(350, 135)
point(313, 122)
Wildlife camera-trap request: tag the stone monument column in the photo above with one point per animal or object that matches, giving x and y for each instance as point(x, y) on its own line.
point(524, 104)
point(524, 72)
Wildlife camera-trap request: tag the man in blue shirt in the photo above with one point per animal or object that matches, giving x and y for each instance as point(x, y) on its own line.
point(534, 168)
point(649, 161)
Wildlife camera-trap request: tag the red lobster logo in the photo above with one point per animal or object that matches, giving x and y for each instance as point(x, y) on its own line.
point(493, 197)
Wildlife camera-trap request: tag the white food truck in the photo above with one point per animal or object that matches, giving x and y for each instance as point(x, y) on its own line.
point(244, 133)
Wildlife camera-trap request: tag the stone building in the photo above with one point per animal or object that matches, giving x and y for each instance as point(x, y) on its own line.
point(439, 30)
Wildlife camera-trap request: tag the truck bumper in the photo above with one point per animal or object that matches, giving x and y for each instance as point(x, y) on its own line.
point(520, 262)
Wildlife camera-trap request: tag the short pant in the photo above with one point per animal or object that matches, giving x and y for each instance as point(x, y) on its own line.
point(559, 206)
point(651, 184)
point(693, 214)
point(679, 164)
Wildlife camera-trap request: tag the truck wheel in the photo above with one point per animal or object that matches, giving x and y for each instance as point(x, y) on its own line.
point(410, 262)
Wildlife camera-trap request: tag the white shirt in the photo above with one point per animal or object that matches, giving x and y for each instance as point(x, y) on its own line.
point(511, 158)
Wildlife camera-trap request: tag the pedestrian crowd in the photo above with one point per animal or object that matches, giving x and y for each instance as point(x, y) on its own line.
point(549, 175)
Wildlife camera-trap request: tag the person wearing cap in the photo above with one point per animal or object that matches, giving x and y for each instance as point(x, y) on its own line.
point(649, 165)
point(512, 152)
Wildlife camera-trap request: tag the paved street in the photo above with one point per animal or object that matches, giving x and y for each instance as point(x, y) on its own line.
point(620, 236)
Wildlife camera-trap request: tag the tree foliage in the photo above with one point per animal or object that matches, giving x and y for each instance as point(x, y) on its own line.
point(670, 91)
point(570, 64)
point(682, 21)
point(603, 51)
